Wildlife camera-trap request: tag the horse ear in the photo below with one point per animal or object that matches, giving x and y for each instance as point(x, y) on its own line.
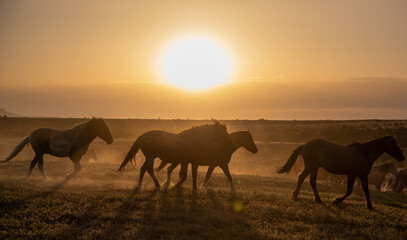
point(215, 121)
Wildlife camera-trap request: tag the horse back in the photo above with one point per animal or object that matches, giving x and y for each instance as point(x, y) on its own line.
point(39, 140)
point(334, 158)
point(161, 144)
point(53, 141)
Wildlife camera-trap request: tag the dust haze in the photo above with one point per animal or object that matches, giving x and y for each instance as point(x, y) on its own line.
point(274, 139)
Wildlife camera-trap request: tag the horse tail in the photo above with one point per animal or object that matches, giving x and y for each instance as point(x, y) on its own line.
point(162, 165)
point(130, 155)
point(291, 161)
point(18, 149)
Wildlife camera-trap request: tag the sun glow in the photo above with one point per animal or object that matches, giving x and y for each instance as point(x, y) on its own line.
point(195, 63)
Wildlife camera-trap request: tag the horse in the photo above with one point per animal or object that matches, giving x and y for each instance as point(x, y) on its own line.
point(327, 176)
point(72, 143)
point(354, 160)
point(401, 181)
point(175, 148)
point(379, 172)
point(215, 155)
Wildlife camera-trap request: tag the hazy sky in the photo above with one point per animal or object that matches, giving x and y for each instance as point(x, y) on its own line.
point(293, 59)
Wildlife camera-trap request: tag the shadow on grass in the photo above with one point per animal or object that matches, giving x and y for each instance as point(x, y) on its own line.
point(7, 207)
point(170, 214)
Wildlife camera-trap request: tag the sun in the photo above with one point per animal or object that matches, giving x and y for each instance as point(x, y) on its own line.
point(195, 63)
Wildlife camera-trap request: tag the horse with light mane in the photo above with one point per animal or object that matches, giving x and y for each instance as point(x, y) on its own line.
point(72, 143)
point(379, 172)
point(182, 148)
point(401, 181)
point(354, 160)
point(216, 156)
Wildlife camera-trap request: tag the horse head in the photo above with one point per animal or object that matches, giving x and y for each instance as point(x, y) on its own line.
point(393, 149)
point(248, 142)
point(100, 129)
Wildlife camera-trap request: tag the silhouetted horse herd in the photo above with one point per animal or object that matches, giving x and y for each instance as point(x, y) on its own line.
point(211, 145)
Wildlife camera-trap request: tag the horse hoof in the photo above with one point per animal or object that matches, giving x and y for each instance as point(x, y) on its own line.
point(318, 201)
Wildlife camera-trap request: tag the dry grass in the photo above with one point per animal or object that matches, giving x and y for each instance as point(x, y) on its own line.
point(102, 204)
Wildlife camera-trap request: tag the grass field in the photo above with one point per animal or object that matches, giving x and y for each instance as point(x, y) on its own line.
point(103, 204)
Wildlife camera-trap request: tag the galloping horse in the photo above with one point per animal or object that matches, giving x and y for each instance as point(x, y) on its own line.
point(72, 143)
point(354, 160)
point(175, 148)
point(216, 155)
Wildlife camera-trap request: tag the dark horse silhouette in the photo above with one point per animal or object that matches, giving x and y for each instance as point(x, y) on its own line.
point(216, 155)
point(354, 160)
point(182, 148)
point(72, 143)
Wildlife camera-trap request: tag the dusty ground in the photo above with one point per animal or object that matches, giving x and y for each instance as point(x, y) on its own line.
point(103, 204)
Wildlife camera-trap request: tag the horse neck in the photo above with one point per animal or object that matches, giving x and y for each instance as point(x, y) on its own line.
point(237, 141)
point(374, 149)
point(86, 136)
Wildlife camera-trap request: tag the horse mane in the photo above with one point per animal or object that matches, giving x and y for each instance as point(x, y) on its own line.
point(94, 119)
point(201, 128)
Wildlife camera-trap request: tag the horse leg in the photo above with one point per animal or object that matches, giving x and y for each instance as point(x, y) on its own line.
point(76, 168)
point(225, 169)
point(150, 170)
point(41, 164)
point(208, 175)
point(301, 179)
point(351, 182)
point(182, 174)
point(143, 170)
point(32, 165)
point(313, 182)
point(169, 171)
point(194, 168)
point(365, 187)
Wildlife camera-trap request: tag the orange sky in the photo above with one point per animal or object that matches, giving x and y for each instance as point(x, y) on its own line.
point(294, 59)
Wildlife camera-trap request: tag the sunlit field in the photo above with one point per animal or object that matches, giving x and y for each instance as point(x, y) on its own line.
point(102, 203)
